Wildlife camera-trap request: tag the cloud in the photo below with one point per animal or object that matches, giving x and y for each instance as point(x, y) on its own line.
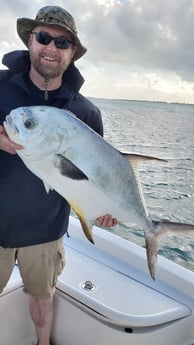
point(154, 34)
point(132, 44)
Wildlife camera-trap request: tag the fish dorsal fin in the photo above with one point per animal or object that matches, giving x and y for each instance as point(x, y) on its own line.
point(133, 160)
point(136, 158)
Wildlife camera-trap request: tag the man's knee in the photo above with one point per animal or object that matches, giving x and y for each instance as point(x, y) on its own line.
point(40, 266)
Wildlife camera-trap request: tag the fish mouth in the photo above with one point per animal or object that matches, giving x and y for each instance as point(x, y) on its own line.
point(9, 126)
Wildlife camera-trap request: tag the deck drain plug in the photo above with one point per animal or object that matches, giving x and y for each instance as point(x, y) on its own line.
point(88, 286)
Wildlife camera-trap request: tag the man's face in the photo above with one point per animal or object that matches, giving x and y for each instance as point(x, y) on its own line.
point(48, 60)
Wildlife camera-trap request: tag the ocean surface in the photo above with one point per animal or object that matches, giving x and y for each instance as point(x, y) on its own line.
point(166, 131)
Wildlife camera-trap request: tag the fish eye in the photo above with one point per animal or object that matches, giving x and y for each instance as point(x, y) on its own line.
point(29, 123)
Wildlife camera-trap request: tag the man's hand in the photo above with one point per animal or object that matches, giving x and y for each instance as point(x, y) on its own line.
point(106, 221)
point(6, 144)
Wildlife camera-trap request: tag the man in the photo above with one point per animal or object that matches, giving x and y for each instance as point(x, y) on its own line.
point(32, 223)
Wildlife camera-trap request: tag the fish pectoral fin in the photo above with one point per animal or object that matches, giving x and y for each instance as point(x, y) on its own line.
point(68, 169)
point(136, 158)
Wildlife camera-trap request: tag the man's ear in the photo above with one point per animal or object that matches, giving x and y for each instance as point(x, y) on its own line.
point(74, 49)
point(30, 41)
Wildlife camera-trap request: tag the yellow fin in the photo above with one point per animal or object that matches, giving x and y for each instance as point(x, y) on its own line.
point(86, 225)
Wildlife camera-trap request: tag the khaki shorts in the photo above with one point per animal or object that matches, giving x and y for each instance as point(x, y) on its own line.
point(39, 265)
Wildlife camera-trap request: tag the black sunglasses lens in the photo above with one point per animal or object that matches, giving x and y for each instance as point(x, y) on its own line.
point(44, 38)
point(61, 42)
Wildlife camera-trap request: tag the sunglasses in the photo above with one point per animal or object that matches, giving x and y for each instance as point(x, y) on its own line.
point(44, 38)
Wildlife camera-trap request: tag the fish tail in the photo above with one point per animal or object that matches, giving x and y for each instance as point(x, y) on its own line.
point(157, 230)
point(151, 243)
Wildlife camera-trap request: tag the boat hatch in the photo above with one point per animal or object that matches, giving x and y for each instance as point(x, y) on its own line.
point(116, 296)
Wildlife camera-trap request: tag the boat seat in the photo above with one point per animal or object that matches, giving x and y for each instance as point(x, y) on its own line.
point(115, 295)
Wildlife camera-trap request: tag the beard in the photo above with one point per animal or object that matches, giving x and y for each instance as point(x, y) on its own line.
point(45, 71)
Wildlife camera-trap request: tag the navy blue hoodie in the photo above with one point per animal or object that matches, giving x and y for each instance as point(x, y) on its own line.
point(28, 215)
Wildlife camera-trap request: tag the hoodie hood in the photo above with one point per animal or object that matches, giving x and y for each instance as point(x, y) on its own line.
point(18, 61)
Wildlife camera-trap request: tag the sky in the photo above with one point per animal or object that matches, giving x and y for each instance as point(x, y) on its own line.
point(137, 49)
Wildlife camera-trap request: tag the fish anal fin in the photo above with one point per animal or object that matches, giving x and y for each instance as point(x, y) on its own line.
point(86, 225)
point(87, 229)
point(68, 169)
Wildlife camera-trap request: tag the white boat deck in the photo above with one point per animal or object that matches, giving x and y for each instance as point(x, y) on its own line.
point(118, 297)
point(106, 296)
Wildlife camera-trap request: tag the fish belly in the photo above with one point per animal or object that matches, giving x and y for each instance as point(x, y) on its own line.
point(87, 199)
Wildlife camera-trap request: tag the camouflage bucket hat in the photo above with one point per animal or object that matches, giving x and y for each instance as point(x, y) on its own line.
point(51, 15)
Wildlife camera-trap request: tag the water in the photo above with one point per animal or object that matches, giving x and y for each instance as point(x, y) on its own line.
point(165, 131)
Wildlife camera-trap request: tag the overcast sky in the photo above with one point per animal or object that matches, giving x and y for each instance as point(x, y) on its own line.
point(137, 49)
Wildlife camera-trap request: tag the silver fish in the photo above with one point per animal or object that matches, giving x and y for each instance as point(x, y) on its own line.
point(93, 176)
